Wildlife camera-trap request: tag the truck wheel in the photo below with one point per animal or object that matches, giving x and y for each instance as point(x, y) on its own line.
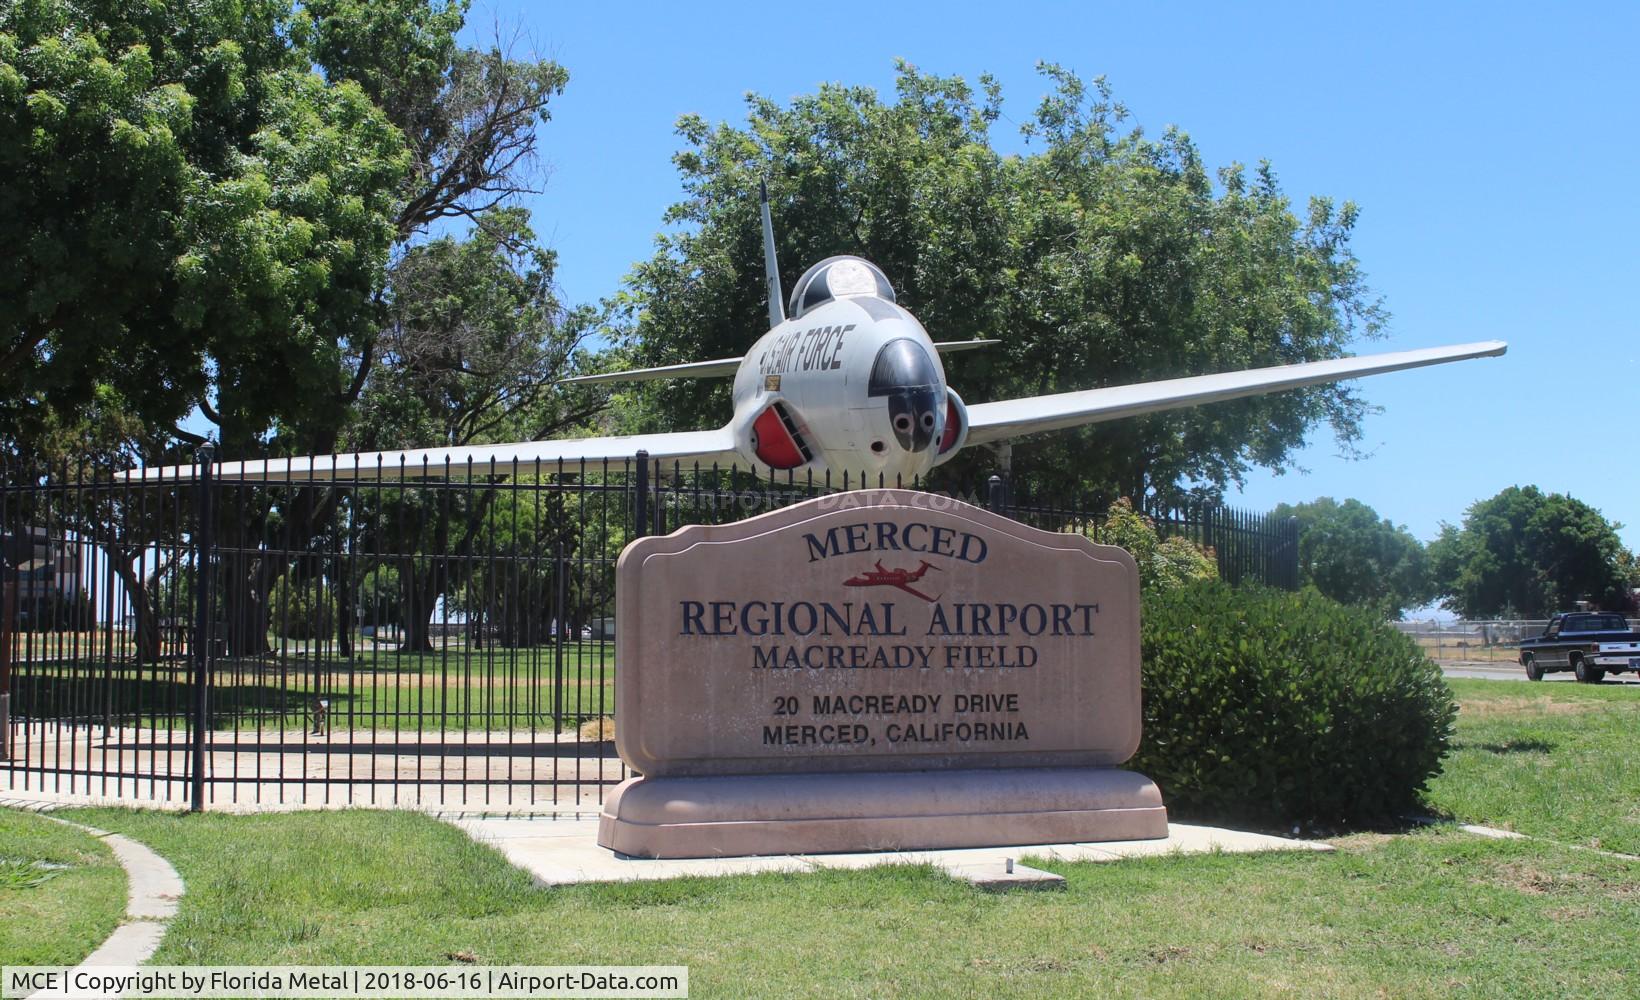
point(1587, 673)
point(1533, 671)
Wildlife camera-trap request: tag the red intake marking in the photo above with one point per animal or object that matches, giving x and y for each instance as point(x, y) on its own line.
point(774, 444)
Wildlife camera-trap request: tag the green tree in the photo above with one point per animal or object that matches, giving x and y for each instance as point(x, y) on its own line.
point(202, 204)
point(1529, 554)
point(553, 561)
point(1101, 256)
point(1350, 554)
point(303, 608)
point(474, 344)
point(1628, 564)
point(473, 347)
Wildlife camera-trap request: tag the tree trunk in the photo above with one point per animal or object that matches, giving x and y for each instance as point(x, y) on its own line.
point(420, 597)
point(344, 621)
point(142, 606)
point(248, 612)
point(250, 572)
point(341, 589)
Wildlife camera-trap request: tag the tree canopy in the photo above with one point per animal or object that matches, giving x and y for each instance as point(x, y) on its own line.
point(474, 341)
point(1100, 256)
point(182, 185)
point(203, 200)
point(1350, 554)
point(1529, 554)
point(224, 207)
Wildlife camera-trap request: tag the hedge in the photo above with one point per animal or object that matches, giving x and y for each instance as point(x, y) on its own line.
point(1281, 708)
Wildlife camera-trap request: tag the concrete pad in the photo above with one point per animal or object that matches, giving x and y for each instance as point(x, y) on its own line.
point(1184, 838)
point(1003, 877)
point(565, 852)
point(1070, 853)
point(748, 815)
point(500, 828)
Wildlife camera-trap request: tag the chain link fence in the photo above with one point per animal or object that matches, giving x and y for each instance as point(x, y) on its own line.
point(1468, 643)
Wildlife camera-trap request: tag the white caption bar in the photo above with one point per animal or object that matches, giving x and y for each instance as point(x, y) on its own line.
point(346, 981)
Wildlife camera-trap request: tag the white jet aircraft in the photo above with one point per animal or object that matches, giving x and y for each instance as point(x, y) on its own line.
point(845, 383)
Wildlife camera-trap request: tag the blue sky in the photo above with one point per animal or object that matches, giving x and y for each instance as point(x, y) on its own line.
point(1493, 150)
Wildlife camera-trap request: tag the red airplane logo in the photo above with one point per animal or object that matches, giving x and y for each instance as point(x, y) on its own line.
point(901, 579)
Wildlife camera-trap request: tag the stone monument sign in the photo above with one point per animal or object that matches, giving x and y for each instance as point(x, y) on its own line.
point(884, 669)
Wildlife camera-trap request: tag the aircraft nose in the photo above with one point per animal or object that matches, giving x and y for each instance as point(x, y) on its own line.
point(906, 376)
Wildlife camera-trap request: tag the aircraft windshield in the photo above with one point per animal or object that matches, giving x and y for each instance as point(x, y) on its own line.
point(836, 278)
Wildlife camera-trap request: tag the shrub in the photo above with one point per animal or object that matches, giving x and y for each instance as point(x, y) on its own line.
point(1271, 707)
point(1164, 563)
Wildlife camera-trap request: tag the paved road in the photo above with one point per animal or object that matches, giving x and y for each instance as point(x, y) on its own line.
point(1512, 672)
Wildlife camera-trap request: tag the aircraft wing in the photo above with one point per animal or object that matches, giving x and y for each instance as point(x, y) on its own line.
point(703, 447)
point(693, 369)
point(1014, 417)
point(953, 346)
point(724, 367)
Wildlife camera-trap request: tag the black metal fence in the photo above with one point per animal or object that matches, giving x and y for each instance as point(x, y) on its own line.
point(444, 638)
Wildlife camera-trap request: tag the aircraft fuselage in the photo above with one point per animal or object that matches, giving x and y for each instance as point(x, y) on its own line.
point(854, 386)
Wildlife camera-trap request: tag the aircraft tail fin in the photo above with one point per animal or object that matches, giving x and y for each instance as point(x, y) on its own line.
point(771, 268)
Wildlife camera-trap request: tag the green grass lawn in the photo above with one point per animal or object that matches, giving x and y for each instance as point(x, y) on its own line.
point(1549, 760)
point(61, 891)
point(492, 689)
point(1425, 912)
point(1431, 913)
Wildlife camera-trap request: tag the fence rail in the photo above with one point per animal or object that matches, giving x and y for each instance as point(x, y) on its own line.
point(429, 641)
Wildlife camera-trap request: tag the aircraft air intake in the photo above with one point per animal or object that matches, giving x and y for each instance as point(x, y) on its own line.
point(955, 433)
point(776, 440)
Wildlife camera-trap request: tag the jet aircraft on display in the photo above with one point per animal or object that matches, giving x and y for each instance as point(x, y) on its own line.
point(846, 381)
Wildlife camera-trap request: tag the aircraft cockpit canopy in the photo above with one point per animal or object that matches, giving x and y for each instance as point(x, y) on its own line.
point(838, 278)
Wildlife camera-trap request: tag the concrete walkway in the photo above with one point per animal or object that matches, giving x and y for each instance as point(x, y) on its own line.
point(566, 852)
point(361, 797)
point(152, 890)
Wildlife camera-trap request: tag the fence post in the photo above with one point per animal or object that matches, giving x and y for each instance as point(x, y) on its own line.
point(8, 621)
point(8, 631)
point(1290, 550)
point(204, 556)
point(998, 495)
point(640, 511)
point(560, 571)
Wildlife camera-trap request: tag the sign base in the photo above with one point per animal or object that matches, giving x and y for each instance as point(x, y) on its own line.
point(742, 815)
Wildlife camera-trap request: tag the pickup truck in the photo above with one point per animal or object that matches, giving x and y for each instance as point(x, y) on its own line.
point(1588, 643)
